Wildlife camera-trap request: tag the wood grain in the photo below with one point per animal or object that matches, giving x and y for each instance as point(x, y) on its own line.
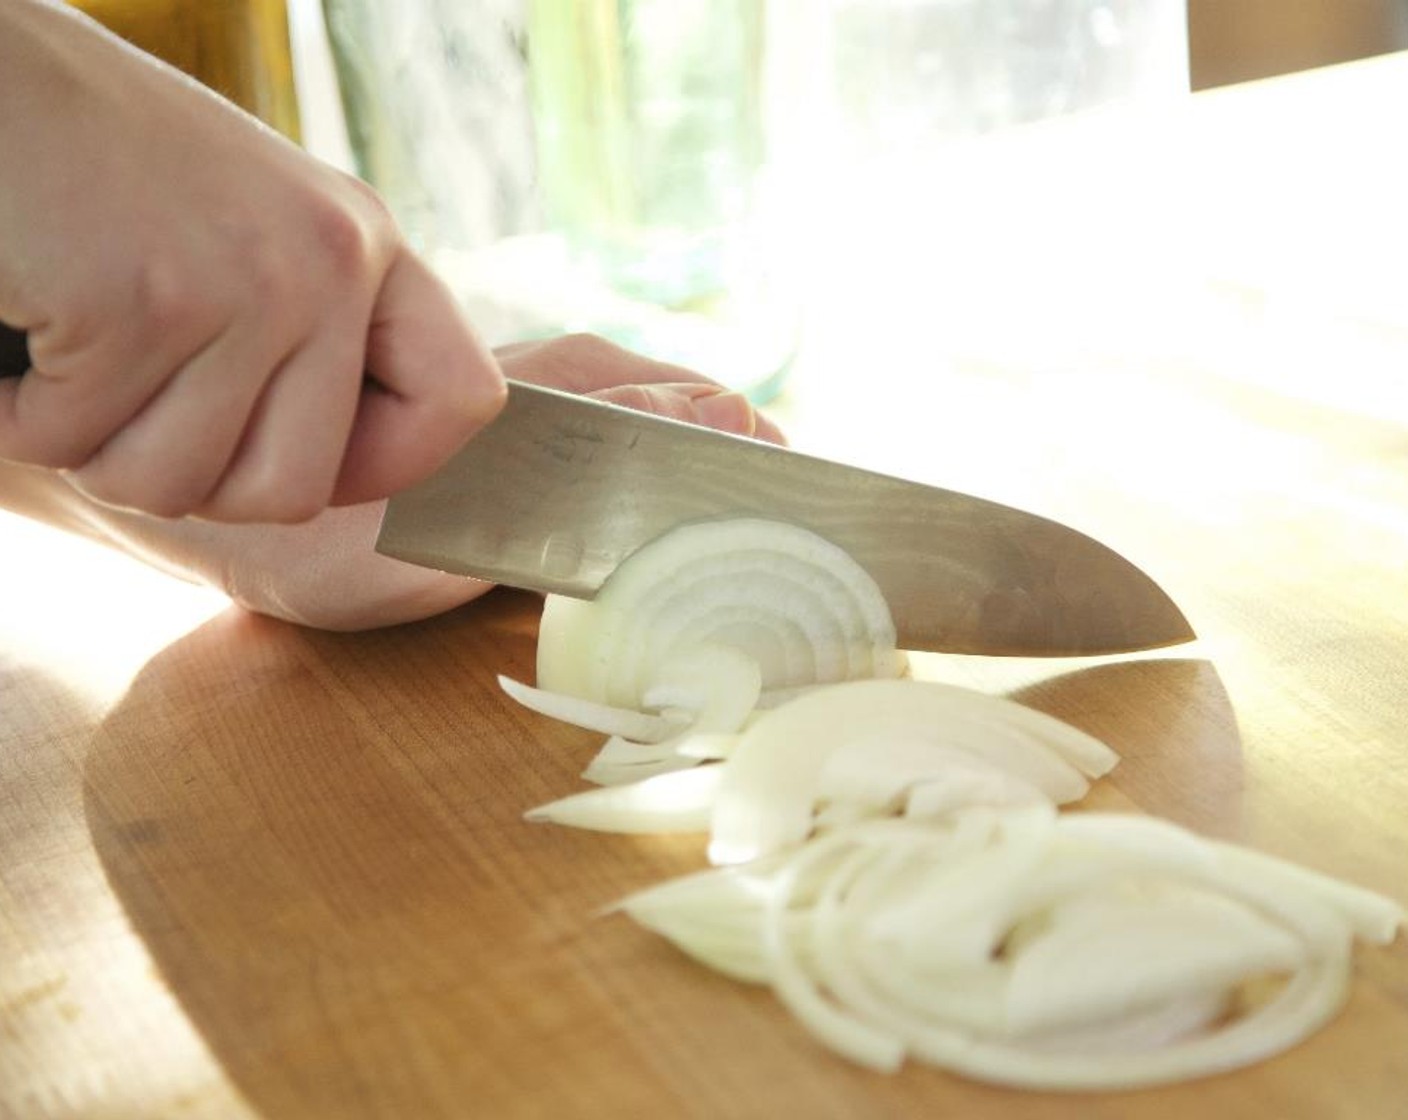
point(249, 870)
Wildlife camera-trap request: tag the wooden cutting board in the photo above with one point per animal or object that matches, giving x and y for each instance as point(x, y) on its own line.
point(287, 876)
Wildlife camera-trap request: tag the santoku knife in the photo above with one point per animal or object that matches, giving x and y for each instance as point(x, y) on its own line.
point(559, 489)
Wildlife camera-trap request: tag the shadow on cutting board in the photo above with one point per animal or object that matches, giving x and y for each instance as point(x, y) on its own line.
point(1173, 725)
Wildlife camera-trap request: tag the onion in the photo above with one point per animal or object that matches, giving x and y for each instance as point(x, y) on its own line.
point(715, 917)
point(948, 943)
point(873, 741)
point(746, 637)
point(640, 727)
point(673, 802)
point(709, 691)
point(889, 854)
point(698, 629)
point(800, 607)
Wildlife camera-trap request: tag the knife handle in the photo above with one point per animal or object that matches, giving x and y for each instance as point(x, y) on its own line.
point(14, 352)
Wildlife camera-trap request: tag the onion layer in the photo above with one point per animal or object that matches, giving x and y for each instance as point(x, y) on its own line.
point(875, 743)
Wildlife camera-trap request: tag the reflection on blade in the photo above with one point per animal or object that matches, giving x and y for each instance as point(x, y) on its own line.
point(560, 489)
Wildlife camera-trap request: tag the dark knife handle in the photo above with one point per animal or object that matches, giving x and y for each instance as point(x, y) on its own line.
point(14, 352)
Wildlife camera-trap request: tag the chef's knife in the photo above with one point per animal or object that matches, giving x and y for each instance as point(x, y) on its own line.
point(559, 489)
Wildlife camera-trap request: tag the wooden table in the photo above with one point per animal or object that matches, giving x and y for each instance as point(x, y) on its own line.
point(248, 870)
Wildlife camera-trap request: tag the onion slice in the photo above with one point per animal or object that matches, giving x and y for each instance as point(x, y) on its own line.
point(875, 740)
point(641, 727)
point(673, 802)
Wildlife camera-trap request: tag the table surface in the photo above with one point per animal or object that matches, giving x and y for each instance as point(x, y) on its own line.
point(249, 870)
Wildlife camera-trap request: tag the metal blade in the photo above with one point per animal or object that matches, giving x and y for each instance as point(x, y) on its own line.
point(559, 489)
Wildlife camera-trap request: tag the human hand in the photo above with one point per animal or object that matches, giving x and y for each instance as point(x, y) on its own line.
point(324, 572)
point(203, 299)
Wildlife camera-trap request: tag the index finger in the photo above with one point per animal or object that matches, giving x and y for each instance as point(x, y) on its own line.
point(432, 383)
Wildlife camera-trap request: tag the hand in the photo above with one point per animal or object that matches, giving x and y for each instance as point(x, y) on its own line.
point(203, 299)
point(324, 573)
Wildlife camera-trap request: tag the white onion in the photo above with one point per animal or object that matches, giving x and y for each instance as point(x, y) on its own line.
point(674, 802)
point(638, 726)
point(895, 865)
point(800, 607)
point(718, 685)
point(1025, 948)
point(910, 731)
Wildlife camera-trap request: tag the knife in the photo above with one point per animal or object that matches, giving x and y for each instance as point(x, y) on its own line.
point(559, 489)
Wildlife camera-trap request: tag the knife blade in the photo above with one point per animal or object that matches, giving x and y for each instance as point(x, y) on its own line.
point(559, 489)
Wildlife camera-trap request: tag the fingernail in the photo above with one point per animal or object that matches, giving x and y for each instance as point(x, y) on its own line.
point(728, 412)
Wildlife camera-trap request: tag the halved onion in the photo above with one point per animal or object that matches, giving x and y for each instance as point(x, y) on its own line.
point(796, 604)
point(698, 629)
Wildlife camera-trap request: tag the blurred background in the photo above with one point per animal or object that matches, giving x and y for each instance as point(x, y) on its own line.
point(673, 174)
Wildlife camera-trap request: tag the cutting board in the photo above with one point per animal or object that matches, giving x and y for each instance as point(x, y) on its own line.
point(317, 842)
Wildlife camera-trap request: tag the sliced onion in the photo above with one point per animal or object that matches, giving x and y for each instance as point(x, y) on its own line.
point(1371, 916)
point(629, 723)
point(1114, 953)
point(674, 802)
point(620, 761)
point(981, 931)
point(908, 729)
point(925, 778)
point(715, 917)
point(967, 785)
point(706, 746)
point(1090, 951)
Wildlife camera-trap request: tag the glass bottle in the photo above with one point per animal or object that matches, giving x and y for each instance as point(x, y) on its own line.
point(239, 48)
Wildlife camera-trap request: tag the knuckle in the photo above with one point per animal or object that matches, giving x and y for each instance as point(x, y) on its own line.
point(351, 229)
point(367, 199)
point(167, 302)
point(268, 278)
